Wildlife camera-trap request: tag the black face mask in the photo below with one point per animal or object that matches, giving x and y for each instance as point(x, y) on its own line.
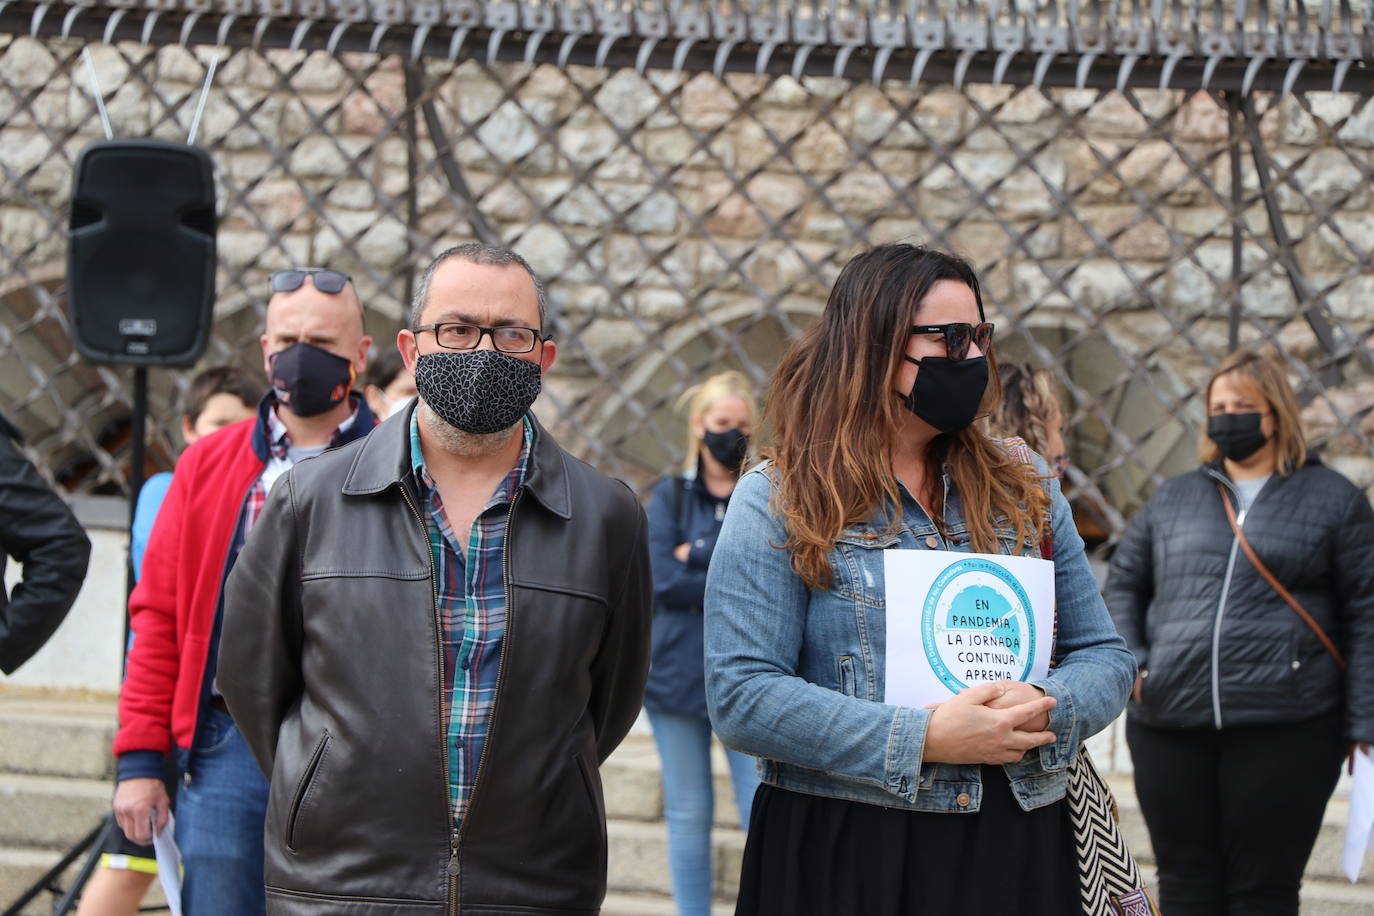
point(308, 380)
point(730, 448)
point(1237, 435)
point(477, 391)
point(947, 392)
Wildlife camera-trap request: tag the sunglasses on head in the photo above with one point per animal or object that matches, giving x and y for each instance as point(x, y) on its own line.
point(959, 335)
point(325, 280)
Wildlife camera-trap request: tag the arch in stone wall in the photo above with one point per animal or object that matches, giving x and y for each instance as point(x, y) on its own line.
point(638, 420)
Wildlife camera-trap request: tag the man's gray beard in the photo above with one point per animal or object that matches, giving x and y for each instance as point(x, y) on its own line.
point(459, 442)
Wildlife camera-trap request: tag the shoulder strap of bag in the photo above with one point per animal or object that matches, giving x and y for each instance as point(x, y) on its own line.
point(1269, 577)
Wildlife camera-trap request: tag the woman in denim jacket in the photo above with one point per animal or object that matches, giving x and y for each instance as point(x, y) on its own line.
point(868, 808)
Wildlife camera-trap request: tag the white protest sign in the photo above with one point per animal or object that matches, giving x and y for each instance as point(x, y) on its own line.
point(959, 619)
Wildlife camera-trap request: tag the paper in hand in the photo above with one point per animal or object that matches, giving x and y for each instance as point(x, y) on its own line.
point(168, 862)
point(1360, 822)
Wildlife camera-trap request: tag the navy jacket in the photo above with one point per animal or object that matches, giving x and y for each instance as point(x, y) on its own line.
point(681, 511)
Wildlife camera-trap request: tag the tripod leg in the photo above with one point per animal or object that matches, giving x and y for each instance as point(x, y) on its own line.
point(68, 900)
point(49, 880)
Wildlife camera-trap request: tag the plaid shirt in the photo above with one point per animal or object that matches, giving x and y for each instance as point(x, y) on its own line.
point(470, 585)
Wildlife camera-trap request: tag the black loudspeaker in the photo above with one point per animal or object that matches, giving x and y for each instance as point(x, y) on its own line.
point(141, 252)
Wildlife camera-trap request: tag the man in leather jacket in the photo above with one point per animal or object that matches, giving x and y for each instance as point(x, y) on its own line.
point(38, 530)
point(435, 635)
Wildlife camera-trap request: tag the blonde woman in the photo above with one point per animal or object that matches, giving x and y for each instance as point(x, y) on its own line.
point(684, 519)
point(1241, 715)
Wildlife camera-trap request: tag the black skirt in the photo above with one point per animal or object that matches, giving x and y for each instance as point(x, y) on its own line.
point(810, 855)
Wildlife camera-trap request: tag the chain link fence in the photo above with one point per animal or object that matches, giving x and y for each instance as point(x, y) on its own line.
point(690, 198)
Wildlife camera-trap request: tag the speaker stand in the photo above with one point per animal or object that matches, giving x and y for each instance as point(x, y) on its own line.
point(93, 843)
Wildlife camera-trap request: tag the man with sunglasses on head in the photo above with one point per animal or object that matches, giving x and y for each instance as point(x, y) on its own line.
point(437, 634)
point(314, 346)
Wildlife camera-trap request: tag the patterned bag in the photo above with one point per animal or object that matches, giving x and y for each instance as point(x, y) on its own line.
point(1109, 878)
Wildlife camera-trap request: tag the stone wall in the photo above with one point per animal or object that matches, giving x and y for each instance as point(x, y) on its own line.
point(685, 222)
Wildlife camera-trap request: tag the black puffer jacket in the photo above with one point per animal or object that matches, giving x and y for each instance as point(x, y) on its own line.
point(1217, 643)
point(38, 530)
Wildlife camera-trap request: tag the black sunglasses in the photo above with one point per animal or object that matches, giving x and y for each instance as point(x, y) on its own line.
point(958, 336)
point(326, 280)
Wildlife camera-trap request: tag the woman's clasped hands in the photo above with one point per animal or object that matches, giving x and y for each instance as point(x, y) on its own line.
point(989, 723)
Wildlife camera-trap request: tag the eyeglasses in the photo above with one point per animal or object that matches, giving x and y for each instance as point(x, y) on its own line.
point(958, 336)
point(326, 281)
point(507, 338)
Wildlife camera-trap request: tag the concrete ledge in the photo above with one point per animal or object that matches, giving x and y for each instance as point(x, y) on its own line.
point(107, 513)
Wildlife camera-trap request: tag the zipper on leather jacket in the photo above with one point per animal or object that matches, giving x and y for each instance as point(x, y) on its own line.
point(454, 865)
point(1225, 594)
point(442, 725)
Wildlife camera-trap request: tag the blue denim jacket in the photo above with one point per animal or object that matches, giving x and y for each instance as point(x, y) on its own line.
point(795, 675)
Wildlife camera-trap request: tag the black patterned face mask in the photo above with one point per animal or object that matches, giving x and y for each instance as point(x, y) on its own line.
point(477, 391)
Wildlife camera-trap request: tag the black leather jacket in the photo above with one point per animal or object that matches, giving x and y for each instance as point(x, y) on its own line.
point(1219, 646)
point(329, 664)
point(38, 530)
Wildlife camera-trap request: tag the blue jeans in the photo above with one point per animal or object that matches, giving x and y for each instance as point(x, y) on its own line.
point(684, 744)
point(220, 812)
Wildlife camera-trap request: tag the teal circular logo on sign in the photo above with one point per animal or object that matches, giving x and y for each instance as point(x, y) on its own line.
point(977, 625)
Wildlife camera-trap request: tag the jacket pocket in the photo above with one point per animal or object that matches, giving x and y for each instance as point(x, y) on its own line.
point(598, 814)
point(845, 668)
point(856, 565)
point(305, 791)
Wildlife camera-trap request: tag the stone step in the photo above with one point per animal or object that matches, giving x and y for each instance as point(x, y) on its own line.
point(634, 790)
point(622, 904)
point(50, 812)
point(638, 859)
point(57, 736)
point(1337, 898)
point(20, 868)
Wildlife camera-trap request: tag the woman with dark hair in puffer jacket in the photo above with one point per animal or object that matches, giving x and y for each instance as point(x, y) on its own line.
point(1241, 713)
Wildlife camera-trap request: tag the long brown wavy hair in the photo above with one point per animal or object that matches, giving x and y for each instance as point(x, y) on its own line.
point(835, 418)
